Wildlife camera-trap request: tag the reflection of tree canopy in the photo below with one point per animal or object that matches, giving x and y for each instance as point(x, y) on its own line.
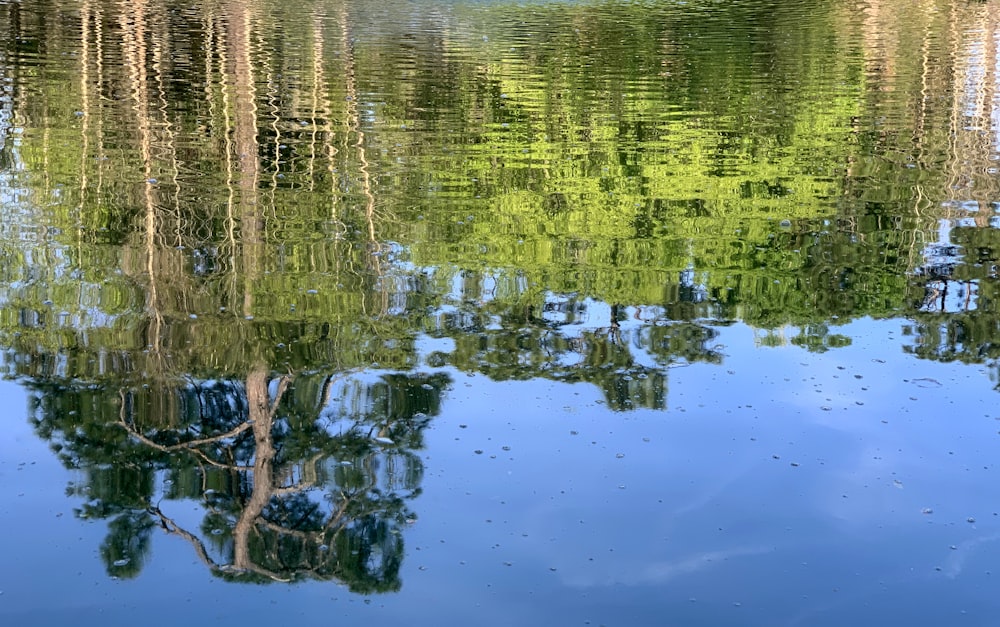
point(290, 485)
point(625, 351)
point(957, 296)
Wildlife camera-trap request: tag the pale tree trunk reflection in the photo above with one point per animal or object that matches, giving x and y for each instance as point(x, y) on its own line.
point(262, 412)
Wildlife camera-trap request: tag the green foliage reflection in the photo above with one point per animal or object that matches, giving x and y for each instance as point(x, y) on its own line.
point(290, 488)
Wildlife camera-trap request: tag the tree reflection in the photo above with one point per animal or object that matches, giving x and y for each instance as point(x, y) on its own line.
point(216, 220)
point(286, 489)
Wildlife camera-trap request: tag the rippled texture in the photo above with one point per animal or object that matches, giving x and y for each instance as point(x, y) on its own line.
point(492, 313)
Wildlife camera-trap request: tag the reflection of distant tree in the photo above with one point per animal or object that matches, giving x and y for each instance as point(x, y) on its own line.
point(627, 357)
point(290, 486)
point(957, 298)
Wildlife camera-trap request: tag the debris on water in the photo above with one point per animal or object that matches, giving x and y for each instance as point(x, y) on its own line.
point(478, 451)
point(619, 455)
point(216, 532)
point(383, 440)
point(970, 519)
point(122, 562)
point(926, 383)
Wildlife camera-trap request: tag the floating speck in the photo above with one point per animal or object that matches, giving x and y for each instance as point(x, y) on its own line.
point(382, 440)
point(122, 562)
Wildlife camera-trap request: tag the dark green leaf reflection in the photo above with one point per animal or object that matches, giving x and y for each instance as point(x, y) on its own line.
point(290, 487)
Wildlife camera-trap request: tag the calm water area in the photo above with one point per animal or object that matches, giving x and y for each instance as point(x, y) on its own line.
point(494, 313)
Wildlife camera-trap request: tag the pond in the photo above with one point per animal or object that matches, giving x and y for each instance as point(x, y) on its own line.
point(500, 313)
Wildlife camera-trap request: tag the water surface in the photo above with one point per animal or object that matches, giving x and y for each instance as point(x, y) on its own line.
point(620, 313)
